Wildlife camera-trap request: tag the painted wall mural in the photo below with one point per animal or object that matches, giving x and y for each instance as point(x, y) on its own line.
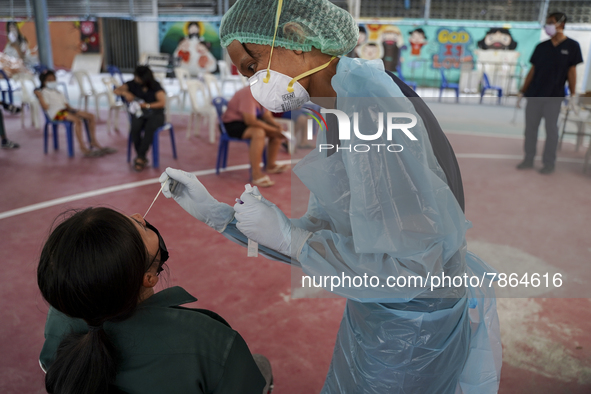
point(195, 44)
point(420, 52)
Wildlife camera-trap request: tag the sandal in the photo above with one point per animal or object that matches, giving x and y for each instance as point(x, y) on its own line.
point(139, 164)
point(278, 169)
point(265, 181)
point(108, 150)
point(93, 153)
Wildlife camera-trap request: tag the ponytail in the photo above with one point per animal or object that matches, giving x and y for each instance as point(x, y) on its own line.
point(85, 363)
point(91, 268)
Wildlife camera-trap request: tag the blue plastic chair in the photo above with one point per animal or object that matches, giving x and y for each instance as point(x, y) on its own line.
point(219, 103)
point(155, 145)
point(448, 85)
point(69, 134)
point(487, 86)
point(39, 68)
point(413, 85)
point(8, 91)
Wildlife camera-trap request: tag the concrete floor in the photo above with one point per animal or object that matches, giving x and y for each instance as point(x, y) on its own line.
point(523, 222)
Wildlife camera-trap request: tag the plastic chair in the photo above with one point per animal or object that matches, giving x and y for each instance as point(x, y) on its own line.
point(28, 99)
point(115, 70)
point(413, 85)
point(9, 90)
point(219, 103)
point(210, 80)
point(487, 86)
point(448, 85)
point(206, 110)
point(69, 134)
point(155, 145)
point(170, 97)
point(85, 93)
point(227, 77)
point(183, 76)
point(114, 103)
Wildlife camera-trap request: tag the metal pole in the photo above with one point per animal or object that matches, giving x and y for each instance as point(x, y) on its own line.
point(155, 8)
point(543, 12)
point(42, 28)
point(226, 5)
point(427, 11)
point(220, 8)
point(131, 8)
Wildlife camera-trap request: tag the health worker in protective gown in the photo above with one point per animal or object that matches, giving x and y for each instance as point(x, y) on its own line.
point(374, 213)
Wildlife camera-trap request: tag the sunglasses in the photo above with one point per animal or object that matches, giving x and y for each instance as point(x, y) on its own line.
point(161, 248)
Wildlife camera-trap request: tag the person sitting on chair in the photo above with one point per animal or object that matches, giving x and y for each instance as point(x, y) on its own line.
point(147, 100)
point(107, 331)
point(56, 107)
point(246, 119)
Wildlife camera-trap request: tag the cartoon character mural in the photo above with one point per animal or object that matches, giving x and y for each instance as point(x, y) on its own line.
point(417, 39)
point(498, 58)
point(454, 48)
point(371, 50)
point(195, 45)
point(499, 39)
point(362, 39)
point(393, 45)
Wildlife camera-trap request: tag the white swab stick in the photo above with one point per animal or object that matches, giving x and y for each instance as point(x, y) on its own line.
point(155, 198)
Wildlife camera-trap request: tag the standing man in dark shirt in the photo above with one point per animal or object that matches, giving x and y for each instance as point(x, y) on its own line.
point(553, 63)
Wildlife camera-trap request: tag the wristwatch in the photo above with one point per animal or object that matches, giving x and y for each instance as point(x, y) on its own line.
point(148, 106)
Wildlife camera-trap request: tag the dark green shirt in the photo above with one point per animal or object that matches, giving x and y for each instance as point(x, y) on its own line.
point(165, 348)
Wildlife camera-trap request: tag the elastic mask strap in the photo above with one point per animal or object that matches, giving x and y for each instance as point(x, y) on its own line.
point(310, 72)
point(268, 76)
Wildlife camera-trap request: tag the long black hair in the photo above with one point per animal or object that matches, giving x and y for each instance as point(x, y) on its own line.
point(20, 38)
point(144, 73)
point(44, 75)
point(92, 268)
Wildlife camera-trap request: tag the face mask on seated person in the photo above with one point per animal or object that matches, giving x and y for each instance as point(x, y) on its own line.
point(51, 85)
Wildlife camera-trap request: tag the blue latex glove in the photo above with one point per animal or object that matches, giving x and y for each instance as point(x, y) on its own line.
point(194, 198)
point(263, 222)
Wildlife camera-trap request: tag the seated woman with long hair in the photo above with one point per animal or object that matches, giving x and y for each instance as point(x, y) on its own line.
point(147, 96)
point(107, 331)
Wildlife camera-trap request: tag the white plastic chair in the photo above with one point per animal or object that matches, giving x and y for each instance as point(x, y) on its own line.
point(289, 133)
point(226, 76)
point(170, 97)
point(205, 109)
point(114, 104)
point(182, 75)
point(27, 85)
point(210, 80)
point(87, 90)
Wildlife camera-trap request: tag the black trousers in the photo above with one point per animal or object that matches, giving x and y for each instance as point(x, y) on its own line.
point(142, 131)
point(536, 109)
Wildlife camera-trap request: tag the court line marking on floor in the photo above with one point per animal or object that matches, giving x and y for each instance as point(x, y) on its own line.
point(113, 189)
point(132, 185)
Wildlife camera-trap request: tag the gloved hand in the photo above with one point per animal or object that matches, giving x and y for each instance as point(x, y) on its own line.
point(263, 222)
point(519, 98)
point(194, 198)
